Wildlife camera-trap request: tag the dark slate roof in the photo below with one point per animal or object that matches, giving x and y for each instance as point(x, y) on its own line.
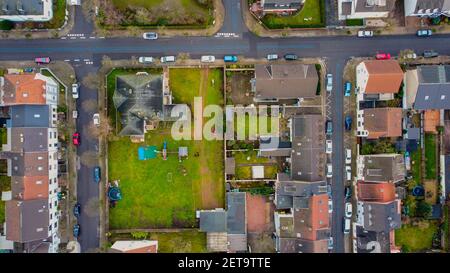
point(236, 213)
point(296, 245)
point(27, 164)
point(213, 221)
point(273, 146)
point(413, 133)
point(381, 217)
point(29, 139)
point(372, 242)
point(282, 4)
point(363, 6)
point(384, 168)
point(29, 7)
point(286, 186)
point(441, 5)
point(434, 87)
point(30, 116)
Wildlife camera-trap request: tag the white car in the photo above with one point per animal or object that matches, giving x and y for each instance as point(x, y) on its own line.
point(272, 57)
point(348, 210)
point(330, 243)
point(348, 173)
point(168, 59)
point(329, 82)
point(329, 170)
point(146, 60)
point(208, 59)
point(74, 114)
point(330, 206)
point(348, 156)
point(150, 36)
point(75, 87)
point(365, 33)
point(329, 147)
point(96, 119)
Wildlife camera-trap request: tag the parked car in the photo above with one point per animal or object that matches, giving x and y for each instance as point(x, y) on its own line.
point(290, 57)
point(329, 191)
point(348, 192)
point(348, 173)
point(96, 119)
point(383, 56)
point(75, 88)
point(330, 206)
point(168, 59)
point(348, 123)
point(347, 226)
point(150, 35)
point(77, 209)
point(348, 156)
point(272, 57)
point(74, 114)
point(348, 89)
point(208, 59)
point(424, 32)
point(330, 243)
point(230, 59)
point(76, 230)
point(365, 33)
point(146, 60)
point(28, 70)
point(430, 54)
point(329, 170)
point(42, 60)
point(329, 146)
point(76, 139)
point(97, 174)
point(348, 210)
point(329, 127)
point(411, 56)
point(329, 82)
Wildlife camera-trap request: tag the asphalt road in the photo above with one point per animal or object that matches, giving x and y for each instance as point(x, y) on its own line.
point(336, 51)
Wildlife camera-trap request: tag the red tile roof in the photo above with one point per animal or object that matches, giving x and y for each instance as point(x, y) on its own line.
point(24, 89)
point(383, 122)
point(385, 76)
point(30, 187)
point(432, 118)
point(376, 192)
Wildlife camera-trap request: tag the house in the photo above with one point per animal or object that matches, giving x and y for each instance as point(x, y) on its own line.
point(277, 6)
point(288, 190)
point(374, 123)
point(274, 147)
point(141, 98)
point(284, 81)
point(381, 168)
point(144, 246)
point(226, 229)
point(427, 87)
point(379, 217)
point(431, 120)
point(378, 79)
point(307, 221)
point(427, 8)
point(371, 241)
point(30, 10)
point(362, 9)
point(376, 192)
point(16, 89)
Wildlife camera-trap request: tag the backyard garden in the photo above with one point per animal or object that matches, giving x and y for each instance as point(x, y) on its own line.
point(161, 193)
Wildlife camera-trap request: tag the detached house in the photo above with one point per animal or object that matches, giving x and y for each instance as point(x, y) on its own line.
point(361, 9)
point(427, 8)
point(374, 123)
point(378, 79)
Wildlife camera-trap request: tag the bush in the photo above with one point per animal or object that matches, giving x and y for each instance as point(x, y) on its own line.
point(139, 235)
point(423, 209)
point(354, 22)
point(6, 25)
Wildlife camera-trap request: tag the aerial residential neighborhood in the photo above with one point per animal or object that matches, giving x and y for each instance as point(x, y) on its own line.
point(226, 127)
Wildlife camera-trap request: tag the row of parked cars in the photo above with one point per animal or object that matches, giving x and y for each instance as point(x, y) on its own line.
point(419, 33)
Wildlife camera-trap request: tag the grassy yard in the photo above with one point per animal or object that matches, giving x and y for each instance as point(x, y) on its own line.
point(157, 13)
point(415, 167)
point(416, 238)
point(158, 193)
point(311, 16)
point(245, 172)
point(430, 156)
point(179, 242)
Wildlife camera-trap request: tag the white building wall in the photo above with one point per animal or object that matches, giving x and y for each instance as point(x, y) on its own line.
point(362, 77)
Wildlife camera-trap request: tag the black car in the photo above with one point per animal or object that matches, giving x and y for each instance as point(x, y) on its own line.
point(348, 192)
point(430, 54)
point(348, 123)
point(290, 57)
point(77, 209)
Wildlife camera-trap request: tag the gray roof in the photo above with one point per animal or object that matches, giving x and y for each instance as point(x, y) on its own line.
point(296, 245)
point(308, 152)
point(274, 147)
point(27, 221)
point(213, 221)
point(29, 139)
point(442, 5)
point(374, 6)
point(30, 116)
point(413, 133)
point(286, 186)
point(236, 213)
point(434, 87)
point(371, 241)
point(237, 242)
point(384, 168)
point(230, 165)
point(29, 7)
point(282, 4)
point(381, 217)
point(27, 164)
point(286, 81)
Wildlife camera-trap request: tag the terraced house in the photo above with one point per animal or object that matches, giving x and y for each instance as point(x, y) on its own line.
point(31, 151)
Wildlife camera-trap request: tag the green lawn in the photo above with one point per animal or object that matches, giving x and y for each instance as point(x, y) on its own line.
point(416, 238)
point(313, 9)
point(158, 193)
point(59, 15)
point(415, 167)
point(5, 181)
point(430, 156)
point(245, 172)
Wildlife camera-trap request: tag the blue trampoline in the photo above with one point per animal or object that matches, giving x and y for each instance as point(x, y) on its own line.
point(114, 194)
point(418, 191)
point(148, 152)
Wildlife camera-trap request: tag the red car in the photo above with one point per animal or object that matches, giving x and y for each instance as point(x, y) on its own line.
point(42, 60)
point(76, 139)
point(383, 56)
